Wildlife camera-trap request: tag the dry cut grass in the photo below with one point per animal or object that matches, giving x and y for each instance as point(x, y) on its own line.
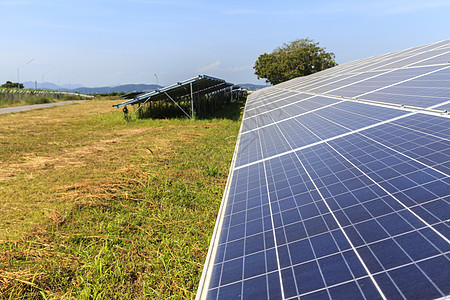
point(94, 207)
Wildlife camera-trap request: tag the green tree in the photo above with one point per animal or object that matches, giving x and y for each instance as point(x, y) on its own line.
point(298, 58)
point(10, 84)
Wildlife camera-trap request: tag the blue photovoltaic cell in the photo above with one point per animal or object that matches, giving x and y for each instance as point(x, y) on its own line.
point(307, 235)
point(286, 101)
point(296, 134)
point(426, 91)
point(444, 58)
point(444, 107)
point(249, 148)
point(377, 65)
point(325, 81)
point(346, 119)
point(294, 109)
point(288, 111)
point(302, 86)
point(249, 124)
point(246, 255)
point(349, 79)
point(276, 96)
point(323, 128)
point(272, 141)
point(423, 59)
point(379, 113)
point(265, 119)
point(438, 45)
point(391, 95)
point(273, 97)
point(431, 148)
point(255, 112)
point(388, 78)
point(412, 184)
point(313, 103)
point(399, 56)
point(272, 106)
point(431, 125)
point(334, 198)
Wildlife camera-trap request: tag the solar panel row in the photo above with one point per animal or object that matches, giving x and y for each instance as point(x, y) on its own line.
point(332, 195)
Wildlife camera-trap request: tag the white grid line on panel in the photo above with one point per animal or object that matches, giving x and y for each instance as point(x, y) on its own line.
point(339, 224)
point(292, 117)
point(406, 80)
point(309, 241)
point(410, 158)
point(373, 218)
point(390, 194)
point(409, 57)
point(281, 99)
point(428, 58)
point(326, 140)
point(392, 236)
point(264, 99)
point(409, 210)
point(212, 250)
point(273, 227)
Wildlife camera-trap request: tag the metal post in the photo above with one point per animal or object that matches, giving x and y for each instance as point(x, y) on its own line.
point(18, 79)
point(139, 107)
point(177, 105)
point(59, 79)
point(43, 74)
point(192, 102)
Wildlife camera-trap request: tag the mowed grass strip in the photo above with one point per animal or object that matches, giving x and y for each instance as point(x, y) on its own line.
point(94, 207)
point(13, 98)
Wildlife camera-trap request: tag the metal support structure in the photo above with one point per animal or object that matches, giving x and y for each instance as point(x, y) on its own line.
point(208, 95)
point(178, 105)
point(192, 102)
point(140, 106)
point(18, 78)
point(43, 74)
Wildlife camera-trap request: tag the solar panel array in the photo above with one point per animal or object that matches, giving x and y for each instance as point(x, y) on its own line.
point(340, 186)
point(199, 85)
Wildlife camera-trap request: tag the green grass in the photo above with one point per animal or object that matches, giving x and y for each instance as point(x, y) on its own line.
point(7, 100)
point(98, 208)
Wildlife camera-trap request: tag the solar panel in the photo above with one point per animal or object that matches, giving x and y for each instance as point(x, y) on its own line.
point(340, 186)
point(201, 84)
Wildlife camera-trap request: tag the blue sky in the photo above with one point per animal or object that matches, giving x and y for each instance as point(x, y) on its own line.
point(100, 43)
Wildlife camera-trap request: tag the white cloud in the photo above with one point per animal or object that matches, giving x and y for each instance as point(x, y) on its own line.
point(22, 3)
point(402, 7)
point(380, 7)
point(215, 66)
point(238, 69)
point(209, 67)
point(251, 11)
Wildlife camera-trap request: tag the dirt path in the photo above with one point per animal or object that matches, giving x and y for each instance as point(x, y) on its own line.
point(28, 107)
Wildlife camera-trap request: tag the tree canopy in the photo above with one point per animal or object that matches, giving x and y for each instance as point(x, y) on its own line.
point(10, 84)
point(298, 58)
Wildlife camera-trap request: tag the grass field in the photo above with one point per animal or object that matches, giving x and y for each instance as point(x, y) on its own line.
point(14, 99)
point(94, 207)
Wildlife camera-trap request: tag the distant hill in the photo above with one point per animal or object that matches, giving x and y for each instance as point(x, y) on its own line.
point(49, 86)
point(251, 87)
point(76, 88)
point(126, 88)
